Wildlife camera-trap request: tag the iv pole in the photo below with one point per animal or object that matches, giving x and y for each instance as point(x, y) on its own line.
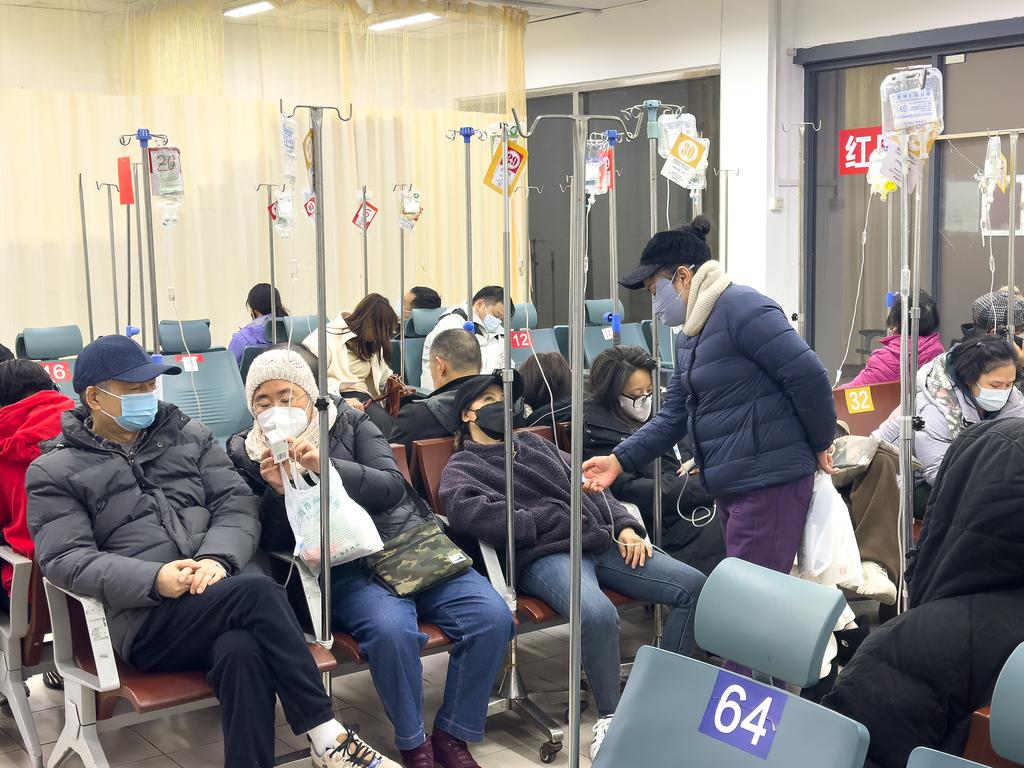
point(273, 261)
point(113, 252)
point(142, 256)
point(467, 133)
point(85, 250)
point(143, 136)
point(365, 220)
point(399, 188)
point(577, 287)
point(316, 120)
point(651, 109)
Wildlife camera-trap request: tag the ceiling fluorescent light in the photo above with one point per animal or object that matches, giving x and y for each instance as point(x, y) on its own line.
point(248, 9)
point(419, 18)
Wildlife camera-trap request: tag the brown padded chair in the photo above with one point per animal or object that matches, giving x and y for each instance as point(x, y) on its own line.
point(865, 408)
point(153, 691)
point(979, 744)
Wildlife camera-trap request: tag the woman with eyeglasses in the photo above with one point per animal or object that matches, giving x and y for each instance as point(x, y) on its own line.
point(619, 403)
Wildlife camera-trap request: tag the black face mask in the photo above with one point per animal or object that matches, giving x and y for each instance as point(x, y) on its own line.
point(491, 420)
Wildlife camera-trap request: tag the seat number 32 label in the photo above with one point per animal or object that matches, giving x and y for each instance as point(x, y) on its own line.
point(743, 714)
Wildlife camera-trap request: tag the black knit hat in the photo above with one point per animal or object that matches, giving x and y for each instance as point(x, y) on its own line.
point(685, 246)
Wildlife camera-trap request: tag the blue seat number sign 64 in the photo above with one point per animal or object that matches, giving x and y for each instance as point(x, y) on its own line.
point(743, 714)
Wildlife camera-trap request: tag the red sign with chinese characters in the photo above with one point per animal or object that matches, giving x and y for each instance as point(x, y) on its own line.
point(855, 148)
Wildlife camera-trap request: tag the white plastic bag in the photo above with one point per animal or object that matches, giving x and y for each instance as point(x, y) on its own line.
point(353, 533)
point(828, 548)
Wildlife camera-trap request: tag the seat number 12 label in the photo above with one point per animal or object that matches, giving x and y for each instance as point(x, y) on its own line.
point(743, 714)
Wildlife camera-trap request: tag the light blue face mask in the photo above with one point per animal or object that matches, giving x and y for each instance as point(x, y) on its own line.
point(137, 411)
point(992, 400)
point(491, 323)
point(668, 304)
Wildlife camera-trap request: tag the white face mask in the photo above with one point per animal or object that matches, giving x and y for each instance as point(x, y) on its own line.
point(992, 400)
point(280, 423)
point(638, 409)
point(491, 323)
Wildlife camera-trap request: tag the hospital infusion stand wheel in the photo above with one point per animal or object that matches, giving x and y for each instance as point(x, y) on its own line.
point(548, 751)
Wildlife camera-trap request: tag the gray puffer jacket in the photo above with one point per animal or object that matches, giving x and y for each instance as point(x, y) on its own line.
point(367, 468)
point(105, 518)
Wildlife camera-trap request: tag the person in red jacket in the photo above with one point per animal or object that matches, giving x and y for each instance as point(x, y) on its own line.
point(30, 411)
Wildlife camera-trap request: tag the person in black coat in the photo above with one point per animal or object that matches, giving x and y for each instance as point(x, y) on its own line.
point(280, 391)
point(916, 680)
point(621, 382)
point(547, 389)
point(454, 359)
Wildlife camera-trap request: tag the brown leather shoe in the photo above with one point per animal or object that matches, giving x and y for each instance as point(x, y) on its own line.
point(450, 752)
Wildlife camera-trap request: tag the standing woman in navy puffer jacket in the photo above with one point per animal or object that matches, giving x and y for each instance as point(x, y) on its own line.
point(754, 398)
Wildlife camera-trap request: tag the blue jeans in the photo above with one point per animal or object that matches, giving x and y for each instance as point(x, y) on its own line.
point(662, 579)
point(468, 610)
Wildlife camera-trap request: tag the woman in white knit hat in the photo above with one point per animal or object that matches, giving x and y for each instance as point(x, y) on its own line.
point(280, 393)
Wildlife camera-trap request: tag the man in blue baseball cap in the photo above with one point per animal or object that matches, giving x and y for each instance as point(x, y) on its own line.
point(137, 505)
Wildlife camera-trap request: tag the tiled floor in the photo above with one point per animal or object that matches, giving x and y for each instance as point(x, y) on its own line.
point(194, 740)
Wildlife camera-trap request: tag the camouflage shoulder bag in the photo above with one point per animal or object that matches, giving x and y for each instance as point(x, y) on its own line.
point(418, 559)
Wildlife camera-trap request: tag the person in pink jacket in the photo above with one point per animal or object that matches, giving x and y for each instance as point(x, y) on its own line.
point(884, 363)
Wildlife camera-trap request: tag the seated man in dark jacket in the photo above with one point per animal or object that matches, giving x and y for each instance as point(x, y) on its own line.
point(916, 680)
point(138, 506)
point(454, 358)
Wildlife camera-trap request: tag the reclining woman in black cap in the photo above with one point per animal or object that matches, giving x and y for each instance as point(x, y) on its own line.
point(615, 552)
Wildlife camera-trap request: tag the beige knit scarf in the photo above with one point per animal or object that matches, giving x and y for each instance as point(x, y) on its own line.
point(706, 287)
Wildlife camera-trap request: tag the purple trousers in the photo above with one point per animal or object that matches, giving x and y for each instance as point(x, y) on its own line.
point(764, 526)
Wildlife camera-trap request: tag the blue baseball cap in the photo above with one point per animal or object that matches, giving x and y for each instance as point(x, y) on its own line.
point(116, 358)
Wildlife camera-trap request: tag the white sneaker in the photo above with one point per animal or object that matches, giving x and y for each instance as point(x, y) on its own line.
point(877, 584)
point(351, 752)
point(600, 731)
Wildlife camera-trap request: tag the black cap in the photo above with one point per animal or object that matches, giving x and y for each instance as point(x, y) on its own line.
point(116, 358)
point(472, 388)
point(685, 246)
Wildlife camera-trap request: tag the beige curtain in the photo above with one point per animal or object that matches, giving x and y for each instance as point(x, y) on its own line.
point(80, 78)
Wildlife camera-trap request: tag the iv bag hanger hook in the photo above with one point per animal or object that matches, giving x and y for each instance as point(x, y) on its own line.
point(270, 187)
point(533, 126)
point(406, 187)
point(787, 128)
point(160, 138)
point(335, 110)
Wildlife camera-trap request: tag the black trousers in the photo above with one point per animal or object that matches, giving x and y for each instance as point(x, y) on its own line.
point(244, 634)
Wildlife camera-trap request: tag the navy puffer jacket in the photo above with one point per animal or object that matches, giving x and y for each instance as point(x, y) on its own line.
point(754, 397)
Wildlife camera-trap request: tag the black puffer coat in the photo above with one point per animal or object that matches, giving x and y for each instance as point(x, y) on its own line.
point(701, 547)
point(367, 468)
point(105, 518)
point(916, 681)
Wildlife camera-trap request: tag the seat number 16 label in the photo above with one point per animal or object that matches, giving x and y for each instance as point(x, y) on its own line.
point(743, 714)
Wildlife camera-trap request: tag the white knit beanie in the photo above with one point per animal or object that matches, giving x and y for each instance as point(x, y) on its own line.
point(279, 364)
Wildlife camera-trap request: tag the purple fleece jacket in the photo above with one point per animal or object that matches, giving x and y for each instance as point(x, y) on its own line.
point(473, 492)
point(884, 363)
